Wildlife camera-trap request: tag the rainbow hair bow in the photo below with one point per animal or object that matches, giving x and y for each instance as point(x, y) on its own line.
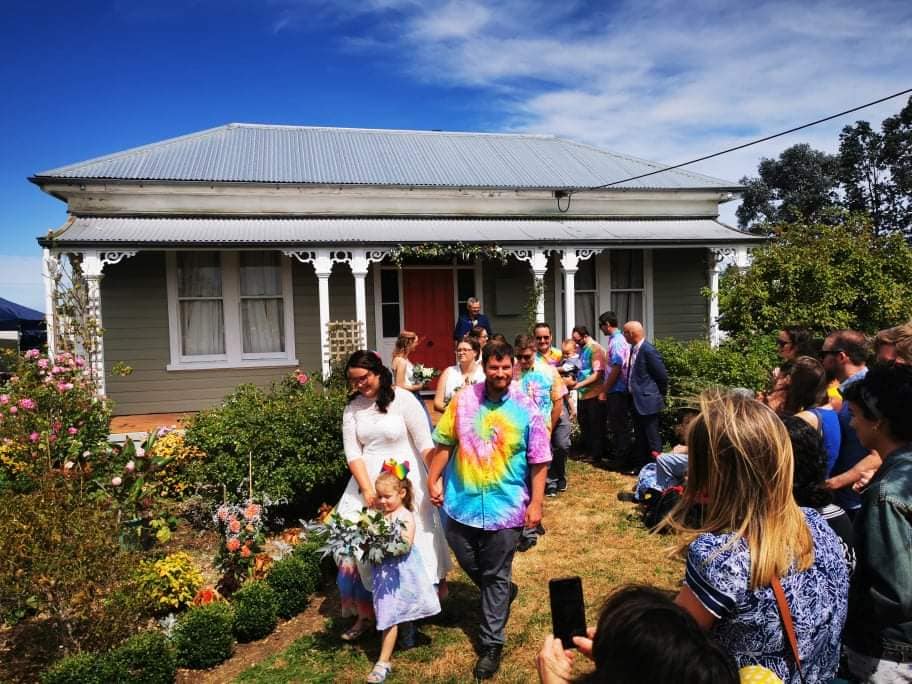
point(400, 470)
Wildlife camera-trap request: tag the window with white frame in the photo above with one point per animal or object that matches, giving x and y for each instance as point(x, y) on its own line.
point(229, 309)
point(627, 284)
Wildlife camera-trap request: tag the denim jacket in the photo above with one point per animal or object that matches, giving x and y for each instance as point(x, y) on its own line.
point(880, 599)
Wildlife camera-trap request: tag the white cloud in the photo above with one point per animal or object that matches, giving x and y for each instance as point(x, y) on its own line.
point(662, 80)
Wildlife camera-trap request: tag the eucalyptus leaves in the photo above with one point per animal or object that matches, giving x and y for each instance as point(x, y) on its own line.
point(371, 538)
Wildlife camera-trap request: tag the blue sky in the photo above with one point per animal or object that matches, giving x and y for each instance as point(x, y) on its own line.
point(661, 79)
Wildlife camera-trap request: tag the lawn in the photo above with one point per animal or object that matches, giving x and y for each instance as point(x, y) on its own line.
point(589, 533)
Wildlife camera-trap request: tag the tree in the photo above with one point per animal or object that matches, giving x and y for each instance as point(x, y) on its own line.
point(842, 273)
point(800, 184)
point(875, 170)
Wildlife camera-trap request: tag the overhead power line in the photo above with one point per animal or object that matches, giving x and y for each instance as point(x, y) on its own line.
point(748, 144)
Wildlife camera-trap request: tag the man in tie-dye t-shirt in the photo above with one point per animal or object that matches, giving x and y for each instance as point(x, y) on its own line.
point(492, 452)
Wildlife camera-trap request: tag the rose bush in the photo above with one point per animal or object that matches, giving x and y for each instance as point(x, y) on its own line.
point(51, 418)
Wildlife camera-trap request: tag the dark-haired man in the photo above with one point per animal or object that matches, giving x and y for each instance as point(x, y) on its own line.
point(617, 399)
point(492, 451)
point(844, 357)
point(590, 408)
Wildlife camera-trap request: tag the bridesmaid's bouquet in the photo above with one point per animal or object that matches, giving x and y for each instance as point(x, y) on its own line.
point(424, 374)
point(371, 538)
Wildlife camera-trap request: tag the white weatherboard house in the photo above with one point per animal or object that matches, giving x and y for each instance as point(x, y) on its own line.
point(219, 257)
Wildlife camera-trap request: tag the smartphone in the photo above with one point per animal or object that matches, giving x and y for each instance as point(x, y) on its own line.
point(568, 612)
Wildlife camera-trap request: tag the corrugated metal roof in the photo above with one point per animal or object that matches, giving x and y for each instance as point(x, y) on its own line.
point(349, 156)
point(359, 231)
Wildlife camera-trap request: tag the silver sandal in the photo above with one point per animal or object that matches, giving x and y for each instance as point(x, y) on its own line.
point(379, 673)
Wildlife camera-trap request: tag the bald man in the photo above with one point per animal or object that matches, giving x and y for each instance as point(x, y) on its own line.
point(647, 382)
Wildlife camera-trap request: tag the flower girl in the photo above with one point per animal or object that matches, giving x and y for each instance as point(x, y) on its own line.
point(402, 590)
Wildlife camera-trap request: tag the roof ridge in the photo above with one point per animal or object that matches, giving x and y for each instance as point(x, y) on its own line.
point(403, 131)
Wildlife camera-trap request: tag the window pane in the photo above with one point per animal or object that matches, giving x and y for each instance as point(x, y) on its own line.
point(199, 274)
point(585, 276)
point(202, 327)
point(465, 286)
point(389, 286)
point(390, 320)
point(263, 325)
point(626, 269)
point(585, 310)
point(628, 306)
point(260, 274)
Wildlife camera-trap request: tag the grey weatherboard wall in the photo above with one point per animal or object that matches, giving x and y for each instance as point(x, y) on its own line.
point(679, 308)
point(135, 317)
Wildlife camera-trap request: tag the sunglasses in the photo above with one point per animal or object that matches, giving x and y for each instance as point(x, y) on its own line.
point(525, 357)
point(543, 337)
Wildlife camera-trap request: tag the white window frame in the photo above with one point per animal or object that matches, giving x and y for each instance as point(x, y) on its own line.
point(234, 357)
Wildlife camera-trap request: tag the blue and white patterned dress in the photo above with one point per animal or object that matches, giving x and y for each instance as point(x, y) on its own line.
point(749, 626)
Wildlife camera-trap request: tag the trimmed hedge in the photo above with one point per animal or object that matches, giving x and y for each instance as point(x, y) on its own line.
point(294, 579)
point(255, 611)
point(144, 658)
point(204, 636)
point(81, 668)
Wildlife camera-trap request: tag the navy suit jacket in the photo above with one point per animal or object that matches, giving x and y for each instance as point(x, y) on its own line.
point(648, 381)
point(464, 325)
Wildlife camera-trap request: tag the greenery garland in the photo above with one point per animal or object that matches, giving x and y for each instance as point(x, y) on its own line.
point(464, 251)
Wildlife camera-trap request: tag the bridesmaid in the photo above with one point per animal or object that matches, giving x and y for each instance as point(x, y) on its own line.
point(382, 422)
point(404, 370)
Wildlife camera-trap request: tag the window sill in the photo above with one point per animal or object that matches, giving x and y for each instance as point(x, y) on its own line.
point(228, 365)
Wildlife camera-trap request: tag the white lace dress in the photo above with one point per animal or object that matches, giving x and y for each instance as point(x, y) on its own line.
point(401, 433)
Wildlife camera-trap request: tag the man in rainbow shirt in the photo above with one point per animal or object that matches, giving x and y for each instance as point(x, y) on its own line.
point(492, 450)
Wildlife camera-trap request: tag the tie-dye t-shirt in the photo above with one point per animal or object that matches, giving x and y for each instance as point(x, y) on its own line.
point(552, 357)
point(486, 479)
point(592, 360)
point(542, 385)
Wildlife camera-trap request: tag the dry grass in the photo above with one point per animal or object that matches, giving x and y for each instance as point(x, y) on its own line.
point(589, 533)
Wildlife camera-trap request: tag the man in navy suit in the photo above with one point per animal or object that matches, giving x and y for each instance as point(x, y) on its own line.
point(470, 319)
point(647, 382)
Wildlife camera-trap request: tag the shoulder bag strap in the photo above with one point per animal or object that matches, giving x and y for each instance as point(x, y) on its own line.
point(787, 626)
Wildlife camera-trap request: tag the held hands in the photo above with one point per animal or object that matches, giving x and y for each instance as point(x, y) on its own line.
point(435, 491)
point(370, 497)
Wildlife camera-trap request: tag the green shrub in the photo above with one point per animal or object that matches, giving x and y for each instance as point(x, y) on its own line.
point(145, 658)
point(59, 555)
point(81, 668)
point(203, 637)
point(293, 431)
point(294, 579)
point(170, 583)
point(255, 611)
point(695, 366)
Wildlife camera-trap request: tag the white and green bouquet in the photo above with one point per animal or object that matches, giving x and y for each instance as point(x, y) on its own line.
point(371, 538)
point(423, 374)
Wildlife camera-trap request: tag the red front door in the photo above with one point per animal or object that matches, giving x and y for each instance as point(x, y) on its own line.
point(428, 311)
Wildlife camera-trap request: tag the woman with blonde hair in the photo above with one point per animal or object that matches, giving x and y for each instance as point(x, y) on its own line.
point(404, 370)
point(753, 537)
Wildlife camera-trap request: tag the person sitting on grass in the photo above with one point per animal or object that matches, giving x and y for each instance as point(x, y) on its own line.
point(402, 590)
point(641, 636)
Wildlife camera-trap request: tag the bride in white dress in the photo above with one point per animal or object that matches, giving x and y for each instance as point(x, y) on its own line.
point(379, 423)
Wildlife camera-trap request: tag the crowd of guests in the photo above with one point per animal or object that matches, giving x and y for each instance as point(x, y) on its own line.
point(793, 509)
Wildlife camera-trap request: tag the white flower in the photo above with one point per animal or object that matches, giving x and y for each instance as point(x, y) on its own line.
point(68, 465)
point(140, 452)
point(130, 467)
point(116, 481)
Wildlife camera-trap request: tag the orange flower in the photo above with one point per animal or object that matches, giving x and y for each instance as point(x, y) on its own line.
point(251, 511)
point(233, 545)
point(234, 526)
point(245, 552)
point(205, 596)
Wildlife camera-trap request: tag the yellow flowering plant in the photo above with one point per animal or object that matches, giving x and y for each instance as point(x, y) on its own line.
point(171, 583)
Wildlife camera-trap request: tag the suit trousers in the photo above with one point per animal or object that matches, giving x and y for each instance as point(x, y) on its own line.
point(617, 406)
point(486, 556)
point(647, 437)
point(591, 414)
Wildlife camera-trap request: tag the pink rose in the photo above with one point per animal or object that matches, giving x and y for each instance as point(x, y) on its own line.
point(116, 481)
point(27, 404)
point(130, 466)
point(56, 369)
point(80, 362)
point(32, 354)
point(4, 398)
point(52, 438)
point(14, 410)
point(34, 437)
point(72, 430)
point(42, 363)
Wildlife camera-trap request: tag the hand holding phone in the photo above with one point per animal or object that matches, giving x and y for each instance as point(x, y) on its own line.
point(568, 612)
